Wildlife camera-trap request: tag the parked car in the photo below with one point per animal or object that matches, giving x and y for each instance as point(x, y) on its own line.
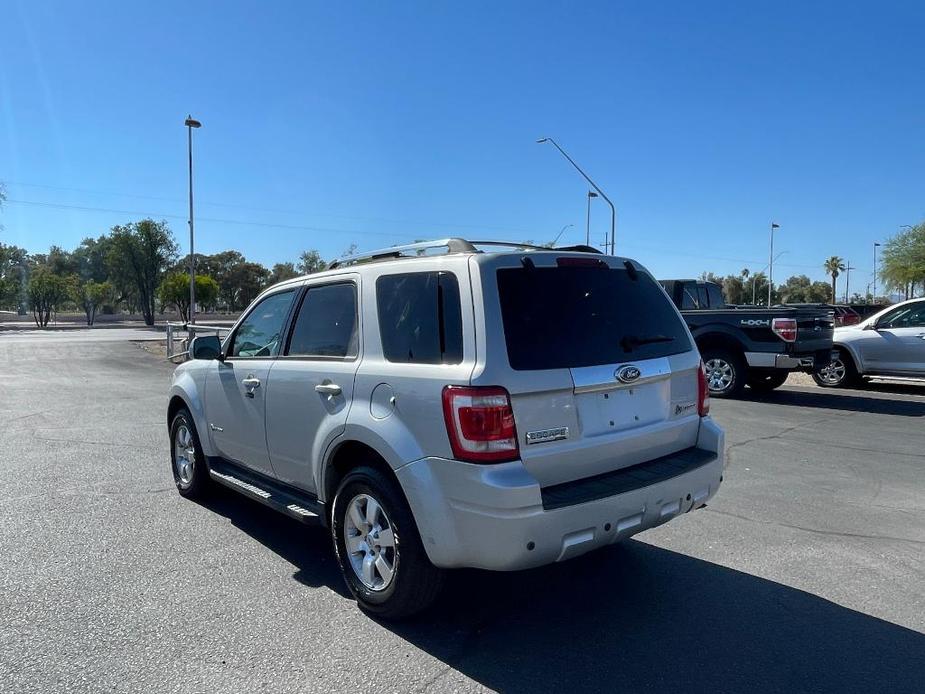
point(889, 343)
point(498, 410)
point(844, 315)
point(748, 345)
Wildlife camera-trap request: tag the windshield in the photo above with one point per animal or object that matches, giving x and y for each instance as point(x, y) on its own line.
point(569, 317)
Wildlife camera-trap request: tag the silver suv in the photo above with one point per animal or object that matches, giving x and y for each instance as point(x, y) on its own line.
point(498, 410)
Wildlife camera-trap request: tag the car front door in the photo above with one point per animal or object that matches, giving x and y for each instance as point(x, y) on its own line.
point(312, 381)
point(897, 343)
point(903, 339)
point(235, 394)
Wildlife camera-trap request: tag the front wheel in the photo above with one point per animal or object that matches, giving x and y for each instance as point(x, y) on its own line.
point(379, 549)
point(187, 461)
point(838, 373)
point(725, 372)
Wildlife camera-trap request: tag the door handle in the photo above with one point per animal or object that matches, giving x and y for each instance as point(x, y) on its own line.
point(328, 388)
point(250, 382)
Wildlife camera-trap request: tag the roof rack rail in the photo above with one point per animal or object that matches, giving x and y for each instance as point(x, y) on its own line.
point(452, 245)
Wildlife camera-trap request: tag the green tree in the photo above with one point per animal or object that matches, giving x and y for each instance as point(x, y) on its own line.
point(734, 290)
point(281, 272)
point(139, 256)
point(90, 259)
point(46, 291)
point(174, 291)
point(90, 295)
point(14, 273)
point(311, 261)
point(833, 267)
point(902, 262)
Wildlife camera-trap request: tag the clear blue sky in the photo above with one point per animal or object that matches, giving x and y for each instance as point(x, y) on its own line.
point(326, 124)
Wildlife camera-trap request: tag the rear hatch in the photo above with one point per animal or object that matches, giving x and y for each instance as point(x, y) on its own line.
point(599, 365)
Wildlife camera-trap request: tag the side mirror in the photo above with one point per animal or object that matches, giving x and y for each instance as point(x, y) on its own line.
point(870, 326)
point(206, 347)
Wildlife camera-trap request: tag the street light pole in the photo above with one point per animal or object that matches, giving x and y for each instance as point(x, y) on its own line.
point(874, 297)
point(848, 270)
point(559, 235)
point(591, 194)
point(771, 262)
point(191, 123)
point(613, 210)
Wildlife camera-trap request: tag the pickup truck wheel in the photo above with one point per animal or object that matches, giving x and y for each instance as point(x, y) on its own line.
point(839, 373)
point(187, 462)
point(766, 382)
point(725, 372)
point(379, 549)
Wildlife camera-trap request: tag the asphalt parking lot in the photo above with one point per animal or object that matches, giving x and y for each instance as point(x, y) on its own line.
point(806, 572)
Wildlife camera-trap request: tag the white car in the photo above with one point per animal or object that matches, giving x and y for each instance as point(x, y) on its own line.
point(889, 343)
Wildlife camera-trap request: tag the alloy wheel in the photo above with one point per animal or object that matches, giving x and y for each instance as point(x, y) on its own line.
point(720, 374)
point(833, 373)
point(184, 455)
point(370, 542)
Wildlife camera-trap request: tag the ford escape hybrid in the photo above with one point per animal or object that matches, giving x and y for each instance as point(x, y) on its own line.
point(453, 404)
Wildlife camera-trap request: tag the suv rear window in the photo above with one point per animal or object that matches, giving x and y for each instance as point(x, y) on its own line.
point(420, 318)
point(568, 317)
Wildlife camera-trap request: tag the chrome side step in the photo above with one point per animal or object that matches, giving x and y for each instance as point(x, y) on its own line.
point(295, 503)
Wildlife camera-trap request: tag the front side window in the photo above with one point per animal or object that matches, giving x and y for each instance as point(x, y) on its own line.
point(911, 316)
point(420, 318)
point(260, 333)
point(327, 323)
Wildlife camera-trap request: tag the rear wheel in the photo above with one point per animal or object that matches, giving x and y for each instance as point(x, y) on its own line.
point(379, 549)
point(838, 373)
point(766, 382)
point(725, 371)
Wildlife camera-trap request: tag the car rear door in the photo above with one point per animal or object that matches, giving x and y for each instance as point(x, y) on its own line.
point(312, 382)
point(600, 367)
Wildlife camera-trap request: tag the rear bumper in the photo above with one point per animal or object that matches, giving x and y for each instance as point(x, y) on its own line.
point(789, 362)
point(493, 516)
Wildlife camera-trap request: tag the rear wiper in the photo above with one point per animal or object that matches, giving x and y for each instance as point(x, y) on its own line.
point(629, 342)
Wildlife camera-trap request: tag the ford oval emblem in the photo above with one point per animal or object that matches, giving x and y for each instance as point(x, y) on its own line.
point(628, 374)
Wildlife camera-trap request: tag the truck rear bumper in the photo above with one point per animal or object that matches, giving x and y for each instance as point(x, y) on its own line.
point(498, 517)
point(790, 362)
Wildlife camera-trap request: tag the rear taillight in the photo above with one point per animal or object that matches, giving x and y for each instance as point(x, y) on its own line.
point(785, 329)
point(703, 392)
point(480, 424)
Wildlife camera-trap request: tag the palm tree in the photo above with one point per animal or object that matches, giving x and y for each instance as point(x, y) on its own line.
point(833, 266)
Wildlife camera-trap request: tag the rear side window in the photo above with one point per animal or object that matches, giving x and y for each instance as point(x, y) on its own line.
point(327, 323)
point(715, 292)
point(689, 299)
point(569, 317)
point(420, 319)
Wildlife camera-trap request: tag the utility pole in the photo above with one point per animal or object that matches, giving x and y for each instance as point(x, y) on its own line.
point(771, 262)
point(848, 270)
point(876, 246)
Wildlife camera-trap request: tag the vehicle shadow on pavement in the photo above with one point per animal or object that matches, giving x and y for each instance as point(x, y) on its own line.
point(635, 618)
point(306, 547)
point(848, 400)
point(632, 618)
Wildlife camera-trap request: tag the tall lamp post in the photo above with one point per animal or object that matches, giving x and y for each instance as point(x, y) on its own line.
point(874, 296)
point(591, 194)
point(559, 235)
point(613, 210)
point(191, 123)
point(774, 226)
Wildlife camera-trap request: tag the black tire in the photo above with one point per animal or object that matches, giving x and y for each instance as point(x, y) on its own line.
point(193, 483)
point(719, 357)
point(415, 583)
point(839, 373)
point(764, 382)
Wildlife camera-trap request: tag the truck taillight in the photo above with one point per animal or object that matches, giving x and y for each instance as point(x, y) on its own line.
point(480, 424)
point(703, 392)
point(785, 329)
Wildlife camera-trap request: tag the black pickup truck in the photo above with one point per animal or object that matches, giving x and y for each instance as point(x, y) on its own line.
point(747, 345)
